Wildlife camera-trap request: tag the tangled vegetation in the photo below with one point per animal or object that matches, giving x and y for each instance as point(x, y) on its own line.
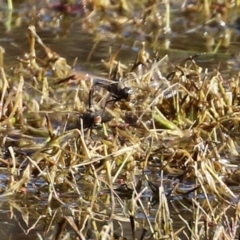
point(147, 149)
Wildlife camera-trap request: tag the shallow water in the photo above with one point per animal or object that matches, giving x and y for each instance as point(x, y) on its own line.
point(69, 39)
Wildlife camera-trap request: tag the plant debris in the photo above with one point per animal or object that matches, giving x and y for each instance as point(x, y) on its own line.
point(179, 121)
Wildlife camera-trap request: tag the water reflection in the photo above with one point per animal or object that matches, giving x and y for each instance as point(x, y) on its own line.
point(59, 30)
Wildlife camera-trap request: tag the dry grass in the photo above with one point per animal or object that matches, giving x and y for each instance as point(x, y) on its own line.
point(82, 145)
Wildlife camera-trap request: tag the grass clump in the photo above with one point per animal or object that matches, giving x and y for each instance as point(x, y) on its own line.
point(147, 151)
point(183, 125)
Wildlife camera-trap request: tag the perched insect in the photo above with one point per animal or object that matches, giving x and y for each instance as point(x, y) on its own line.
point(116, 89)
point(91, 118)
point(118, 92)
